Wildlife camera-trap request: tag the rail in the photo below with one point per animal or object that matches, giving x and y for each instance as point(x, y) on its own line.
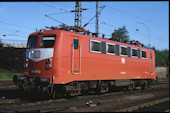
point(131, 109)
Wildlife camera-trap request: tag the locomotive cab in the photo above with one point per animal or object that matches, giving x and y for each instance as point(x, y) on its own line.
point(38, 60)
point(39, 54)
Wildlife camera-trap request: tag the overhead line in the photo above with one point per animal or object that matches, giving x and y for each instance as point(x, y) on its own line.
point(136, 16)
point(23, 9)
point(70, 5)
point(59, 13)
point(165, 2)
point(16, 30)
point(62, 10)
point(62, 4)
point(138, 33)
point(55, 20)
point(15, 25)
point(50, 6)
point(94, 16)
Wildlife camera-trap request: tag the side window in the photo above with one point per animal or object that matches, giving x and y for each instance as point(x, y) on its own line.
point(95, 46)
point(76, 43)
point(110, 48)
point(134, 52)
point(123, 50)
point(143, 54)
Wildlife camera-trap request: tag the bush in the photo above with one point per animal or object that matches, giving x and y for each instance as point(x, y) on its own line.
point(5, 74)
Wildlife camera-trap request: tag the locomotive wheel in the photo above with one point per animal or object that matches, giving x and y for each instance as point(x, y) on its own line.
point(132, 85)
point(73, 89)
point(98, 88)
point(84, 89)
point(153, 82)
point(149, 84)
point(105, 87)
point(111, 86)
point(54, 94)
point(68, 94)
point(19, 86)
point(102, 87)
point(48, 89)
point(84, 92)
point(145, 85)
point(50, 92)
point(26, 87)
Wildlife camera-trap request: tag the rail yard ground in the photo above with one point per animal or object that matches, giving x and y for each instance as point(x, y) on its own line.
point(13, 100)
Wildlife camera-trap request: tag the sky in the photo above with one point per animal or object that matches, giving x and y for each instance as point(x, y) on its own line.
point(151, 18)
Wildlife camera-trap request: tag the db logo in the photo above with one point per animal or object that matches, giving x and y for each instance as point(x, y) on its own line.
point(36, 54)
point(123, 60)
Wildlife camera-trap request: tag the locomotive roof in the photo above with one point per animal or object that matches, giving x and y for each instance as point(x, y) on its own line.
point(81, 31)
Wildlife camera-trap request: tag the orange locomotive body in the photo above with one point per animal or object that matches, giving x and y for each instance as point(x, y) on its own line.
point(81, 62)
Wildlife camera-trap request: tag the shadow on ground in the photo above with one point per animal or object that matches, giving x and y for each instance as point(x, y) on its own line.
point(22, 95)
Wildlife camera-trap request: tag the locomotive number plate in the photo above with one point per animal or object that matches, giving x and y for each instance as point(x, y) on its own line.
point(35, 71)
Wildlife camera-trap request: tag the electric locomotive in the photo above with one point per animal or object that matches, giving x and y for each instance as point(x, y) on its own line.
point(72, 61)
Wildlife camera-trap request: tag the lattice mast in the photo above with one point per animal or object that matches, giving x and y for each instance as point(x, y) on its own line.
point(78, 14)
point(97, 17)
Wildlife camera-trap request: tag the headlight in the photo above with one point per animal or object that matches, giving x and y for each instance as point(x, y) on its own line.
point(25, 65)
point(48, 60)
point(26, 60)
point(48, 66)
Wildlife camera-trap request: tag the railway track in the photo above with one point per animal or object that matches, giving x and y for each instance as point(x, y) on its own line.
point(149, 106)
point(104, 102)
point(122, 101)
point(7, 84)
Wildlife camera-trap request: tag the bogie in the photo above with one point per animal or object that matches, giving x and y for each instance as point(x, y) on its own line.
point(145, 85)
point(81, 87)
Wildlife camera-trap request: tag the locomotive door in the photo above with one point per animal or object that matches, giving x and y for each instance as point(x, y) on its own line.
point(76, 56)
point(151, 63)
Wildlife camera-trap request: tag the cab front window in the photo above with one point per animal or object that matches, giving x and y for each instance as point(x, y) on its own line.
point(47, 41)
point(32, 42)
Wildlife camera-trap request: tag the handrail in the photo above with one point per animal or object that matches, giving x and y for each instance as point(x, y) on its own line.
point(73, 59)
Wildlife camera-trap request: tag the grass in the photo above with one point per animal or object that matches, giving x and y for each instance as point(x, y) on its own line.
point(6, 74)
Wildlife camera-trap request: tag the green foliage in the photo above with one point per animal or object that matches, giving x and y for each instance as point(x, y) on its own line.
point(4, 71)
point(11, 61)
point(161, 57)
point(120, 33)
point(1, 44)
point(12, 58)
point(6, 74)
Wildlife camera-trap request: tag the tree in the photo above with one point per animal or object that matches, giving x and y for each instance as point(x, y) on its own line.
point(1, 44)
point(120, 33)
point(161, 57)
